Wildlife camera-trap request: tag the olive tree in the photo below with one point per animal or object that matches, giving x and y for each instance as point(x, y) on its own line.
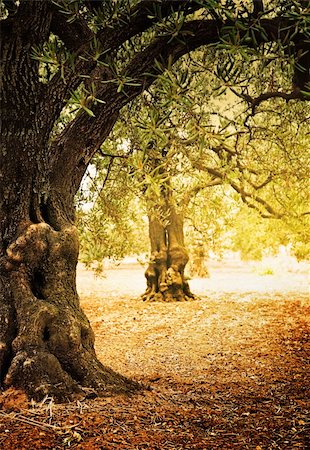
point(90, 58)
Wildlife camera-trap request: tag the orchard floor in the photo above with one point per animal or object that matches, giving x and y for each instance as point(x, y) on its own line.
point(229, 370)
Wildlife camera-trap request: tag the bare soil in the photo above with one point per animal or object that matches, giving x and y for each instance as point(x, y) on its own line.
point(229, 370)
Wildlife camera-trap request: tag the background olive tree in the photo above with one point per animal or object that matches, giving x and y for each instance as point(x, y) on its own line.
point(191, 132)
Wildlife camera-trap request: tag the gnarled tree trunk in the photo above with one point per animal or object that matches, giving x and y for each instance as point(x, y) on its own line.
point(165, 272)
point(198, 266)
point(46, 341)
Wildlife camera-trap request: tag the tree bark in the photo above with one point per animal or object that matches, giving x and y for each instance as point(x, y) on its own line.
point(46, 341)
point(165, 273)
point(198, 266)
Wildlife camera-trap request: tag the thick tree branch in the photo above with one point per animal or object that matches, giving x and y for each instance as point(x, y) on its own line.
point(82, 138)
point(78, 37)
point(74, 34)
point(258, 7)
point(138, 21)
point(140, 18)
point(10, 5)
point(256, 101)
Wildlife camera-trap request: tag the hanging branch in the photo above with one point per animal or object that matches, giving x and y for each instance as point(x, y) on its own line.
point(248, 197)
point(107, 174)
point(256, 101)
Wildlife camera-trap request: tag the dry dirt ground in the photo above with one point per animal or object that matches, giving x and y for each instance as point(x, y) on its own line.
point(229, 370)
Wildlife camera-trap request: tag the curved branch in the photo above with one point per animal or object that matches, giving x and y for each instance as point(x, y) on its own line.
point(257, 187)
point(248, 197)
point(255, 102)
point(195, 190)
point(74, 148)
point(140, 18)
point(78, 37)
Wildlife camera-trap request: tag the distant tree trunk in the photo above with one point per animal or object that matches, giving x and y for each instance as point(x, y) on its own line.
point(165, 272)
point(198, 267)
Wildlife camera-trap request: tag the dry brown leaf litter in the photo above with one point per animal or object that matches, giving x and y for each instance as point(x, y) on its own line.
point(229, 371)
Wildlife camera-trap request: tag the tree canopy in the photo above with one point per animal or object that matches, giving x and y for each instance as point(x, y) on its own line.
point(190, 131)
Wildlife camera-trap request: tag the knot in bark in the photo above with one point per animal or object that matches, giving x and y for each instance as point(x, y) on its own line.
point(29, 247)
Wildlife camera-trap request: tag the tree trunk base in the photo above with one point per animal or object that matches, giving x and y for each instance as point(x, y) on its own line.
point(170, 286)
point(169, 297)
point(165, 273)
point(40, 374)
point(46, 341)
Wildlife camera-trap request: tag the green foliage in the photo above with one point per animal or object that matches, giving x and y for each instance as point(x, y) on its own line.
point(255, 237)
point(190, 133)
point(105, 235)
point(52, 57)
point(209, 219)
point(111, 222)
point(196, 133)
